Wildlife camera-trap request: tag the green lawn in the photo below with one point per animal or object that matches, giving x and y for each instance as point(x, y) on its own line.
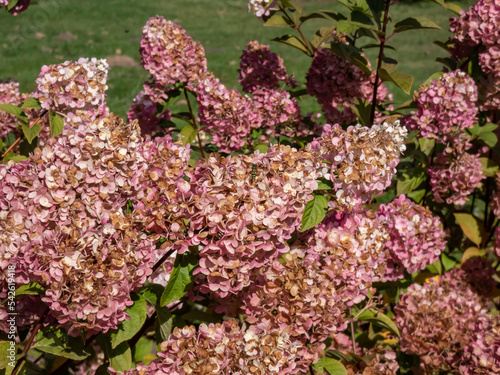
point(57, 30)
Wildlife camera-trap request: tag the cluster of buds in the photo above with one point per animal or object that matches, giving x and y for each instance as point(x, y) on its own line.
point(416, 239)
point(454, 176)
point(74, 89)
point(260, 68)
point(479, 28)
point(169, 54)
point(446, 106)
point(336, 83)
point(243, 210)
point(363, 160)
point(436, 320)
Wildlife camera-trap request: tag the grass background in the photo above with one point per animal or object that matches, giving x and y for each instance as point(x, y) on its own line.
point(53, 31)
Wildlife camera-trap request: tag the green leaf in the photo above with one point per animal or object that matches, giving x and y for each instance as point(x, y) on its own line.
point(32, 288)
point(4, 360)
point(450, 6)
point(413, 23)
point(128, 328)
point(322, 35)
point(312, 16)
point(330, 365)
point(262, 148)
point(14, 157)
point(324, 184)
point(489, 138)
point(435, 267)
point(417, 195)
point(120, 357)
point(31, 133)
point(434, 76)
point(314, 213)
point(379, 319)
point(12, 4)
point(278, 20)
point(143, 348)
point(408, 183)
point(362, 109)
point(389, 64)
point(426, 145)
point(152, 293)
point(471, 226)
point(188, 134)
point(57, 342)
point(10, 139)
point(448, 263)
point(402, 80)
point(293, 41)
point(472, 252)
point(181, 278)
point(14, 110)
point(490, 168)
point(56, 124)
point(164, 322)
point(360, 19)
point(351, 54)
point(26, 148)
point(31, 103)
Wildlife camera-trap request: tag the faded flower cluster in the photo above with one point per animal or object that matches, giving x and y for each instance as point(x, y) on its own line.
point(445, 107)
point(416, 239)
point(363, 160)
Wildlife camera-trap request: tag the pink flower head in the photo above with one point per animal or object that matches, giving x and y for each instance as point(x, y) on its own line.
point(9, 94)
point(243, 218)
point(225, 114)
point(261, 68)
point(445, 107)
point(159, 202)
point(169, 54)
point(228, 349)
point(479, 28)
point(454, 176)
point(336, 83)
point(363, 160)
point(76, 89)
point(260, 7)
point(301, 294)
point(351, 248)
point(417, 237)
point(482, 354)
point(436, 321)
point(144, 110)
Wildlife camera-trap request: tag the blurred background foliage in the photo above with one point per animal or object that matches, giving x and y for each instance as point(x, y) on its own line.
point(57, 30)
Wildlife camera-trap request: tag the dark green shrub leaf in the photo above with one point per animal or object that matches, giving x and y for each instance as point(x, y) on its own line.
point(471, 226)
point(31, 103)
point(57, 342)
point(413, 23)
point(351, 54)
point(314, 213)
point(56, 124)
point(181, 278)
point(14, 110)
point(32, 288)
point(188, 134)
point(31, 133)
point(402, 80)
point(293, 41)
point(128, 328)
point(379, 319)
